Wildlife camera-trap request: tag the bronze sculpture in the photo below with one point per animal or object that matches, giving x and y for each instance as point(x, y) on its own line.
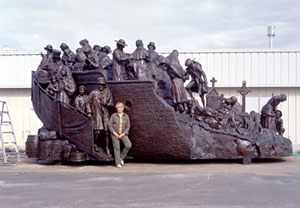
point(279, 122)
point(222, 129)
point(68, 57)
point(43, 68)
point(268, 111)
point(98, 102)
point(120, 58)
point(244, 91)
point(53, 87)
point(80, 101)
point(67, 85)
point(152, 54)
point(176, 73)
point(198, 83)
point(91, 61)
point(105, 63)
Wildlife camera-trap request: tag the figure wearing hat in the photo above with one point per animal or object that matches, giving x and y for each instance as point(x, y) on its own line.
point(81, 99)
point(68, 57)
point(98, 102)
point(56, 65)
point(153, 55)
point(44, 67)
point(46, 58)
point(104, 61)
point(119, 61)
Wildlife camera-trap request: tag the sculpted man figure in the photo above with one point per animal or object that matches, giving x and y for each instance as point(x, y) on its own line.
point(79, 60)
point(119, 126)
point(140, 60)
point(198, 83)
point(56, 65)
point(43, 69)
point(46, 58)
point(68, 57)
point(91, 61)
point(105, 62)
point(140, 54)
point(98, 102)
point(119, 62)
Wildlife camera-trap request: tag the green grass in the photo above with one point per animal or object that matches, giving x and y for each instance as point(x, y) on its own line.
point(297, 153)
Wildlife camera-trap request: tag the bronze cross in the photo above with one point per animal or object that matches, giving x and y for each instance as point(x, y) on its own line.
point(213, 81)
point(244, 91)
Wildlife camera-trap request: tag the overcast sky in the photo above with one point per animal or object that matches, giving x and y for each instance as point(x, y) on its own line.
point(187, 25)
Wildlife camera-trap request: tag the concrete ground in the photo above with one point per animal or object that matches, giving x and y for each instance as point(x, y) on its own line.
point(216, 183)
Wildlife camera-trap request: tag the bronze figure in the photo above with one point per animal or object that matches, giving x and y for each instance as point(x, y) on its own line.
point(98, 103)
point(44, 68)
point(279, 122)
point(140, 60)
point(81, 99)
point(152, 54)
point(120, 58)
point(91, 61)
point(268, 111)
point(80, 58)
point(56, 65)
point(176, 73)
point(67, 85)
point(198, 83)
point(68, 57)
point(53, 87)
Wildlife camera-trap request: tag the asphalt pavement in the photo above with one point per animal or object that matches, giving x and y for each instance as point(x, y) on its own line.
point(209, 183)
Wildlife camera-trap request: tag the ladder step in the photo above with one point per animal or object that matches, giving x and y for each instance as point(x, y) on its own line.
point(7, 132)
point(2, 112)
point(6, 122)
point(9, 142)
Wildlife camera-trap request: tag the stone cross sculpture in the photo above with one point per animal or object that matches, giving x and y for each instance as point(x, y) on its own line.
point(213, 81)
point(244, 91)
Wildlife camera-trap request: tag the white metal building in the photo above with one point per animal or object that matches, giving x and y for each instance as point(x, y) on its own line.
point(267, 72)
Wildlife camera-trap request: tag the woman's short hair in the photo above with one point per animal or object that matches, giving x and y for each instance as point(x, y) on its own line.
point(119, 103)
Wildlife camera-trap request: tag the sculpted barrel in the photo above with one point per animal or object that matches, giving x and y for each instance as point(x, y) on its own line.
point(32, 144)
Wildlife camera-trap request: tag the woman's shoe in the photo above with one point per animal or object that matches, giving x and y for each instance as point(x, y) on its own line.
point(119, 166)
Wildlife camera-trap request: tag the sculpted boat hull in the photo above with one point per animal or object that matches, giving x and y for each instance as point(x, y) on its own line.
point(157, 131)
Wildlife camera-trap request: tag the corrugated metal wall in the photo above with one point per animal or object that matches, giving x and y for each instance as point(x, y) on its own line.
point(267, 72)
point(23, 117)
point(260, 68)
point(15, 69)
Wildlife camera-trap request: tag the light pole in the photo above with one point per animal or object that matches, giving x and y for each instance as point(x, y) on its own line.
point(271, 35)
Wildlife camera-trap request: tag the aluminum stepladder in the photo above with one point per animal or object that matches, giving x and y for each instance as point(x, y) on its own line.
point(5, 121)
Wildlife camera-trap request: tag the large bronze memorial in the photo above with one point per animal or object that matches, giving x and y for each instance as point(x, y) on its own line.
point(74, 95)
